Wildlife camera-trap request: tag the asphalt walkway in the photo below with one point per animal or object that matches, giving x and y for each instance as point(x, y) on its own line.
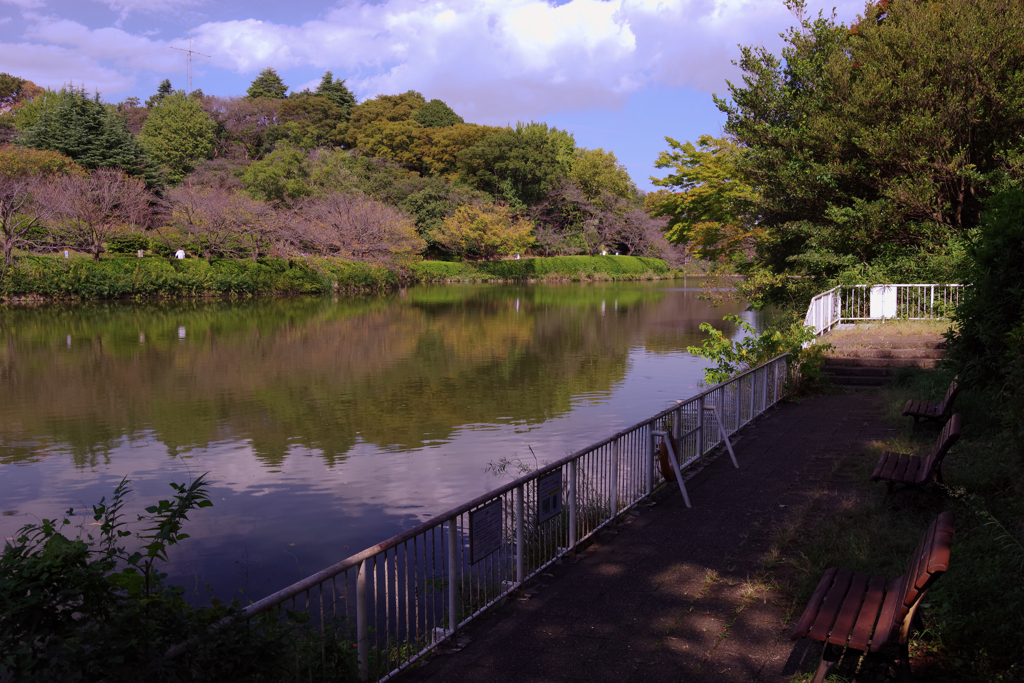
point(671, 594)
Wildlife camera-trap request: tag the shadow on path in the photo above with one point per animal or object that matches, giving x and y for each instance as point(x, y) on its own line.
point(671, 594)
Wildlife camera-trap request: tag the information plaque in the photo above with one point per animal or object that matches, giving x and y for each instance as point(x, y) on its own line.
point(484, 531)
point(549, 496)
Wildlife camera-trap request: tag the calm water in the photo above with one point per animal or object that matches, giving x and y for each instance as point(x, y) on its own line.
point(326, 424)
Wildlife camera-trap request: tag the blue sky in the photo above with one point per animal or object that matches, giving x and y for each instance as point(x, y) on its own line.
point(618, 74)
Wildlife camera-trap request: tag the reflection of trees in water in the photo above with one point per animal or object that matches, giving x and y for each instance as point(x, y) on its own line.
point(398, 372)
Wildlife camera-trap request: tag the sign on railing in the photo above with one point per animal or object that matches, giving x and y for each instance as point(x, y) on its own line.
point(399, 599)
point(849, 303)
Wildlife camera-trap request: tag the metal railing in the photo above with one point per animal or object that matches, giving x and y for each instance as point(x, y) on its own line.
point(396, 601)
point(878, 302)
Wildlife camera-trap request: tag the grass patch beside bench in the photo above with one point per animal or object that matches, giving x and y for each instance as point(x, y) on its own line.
point(973, 619)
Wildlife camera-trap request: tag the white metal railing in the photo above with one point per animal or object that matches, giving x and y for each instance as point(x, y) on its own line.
point(877, 302)
point(399, 599)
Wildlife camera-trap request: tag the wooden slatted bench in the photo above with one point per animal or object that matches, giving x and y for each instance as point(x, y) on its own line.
point(926, 410)
point(871, 613)
point(913, 471)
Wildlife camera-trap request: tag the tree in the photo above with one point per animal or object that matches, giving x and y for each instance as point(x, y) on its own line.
point(484, 232)
point(357, 227)
point(177, 133)
point(21, 162)
point(282, 176)
point(596, 171)
point(245, 127)
point(16, 92)
point(381, 109)
point(712, 210)
point(518, 164)
point(337, 94)
point(20, 216)
point(268, 84)
point(87, 211)
point(163, 90)
point(439, 148)
point(436, 114)
point(310, 121)
point(398, 141)
point(872, 147)
point(91, 133)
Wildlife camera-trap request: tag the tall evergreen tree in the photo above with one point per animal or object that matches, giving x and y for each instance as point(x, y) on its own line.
point(92, 133)
point(162, 91)
point(338, 93)
point(267, 84)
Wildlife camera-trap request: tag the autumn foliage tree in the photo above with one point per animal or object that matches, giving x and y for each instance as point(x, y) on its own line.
point(357, 227)
point(86, 211)
point(484, 232)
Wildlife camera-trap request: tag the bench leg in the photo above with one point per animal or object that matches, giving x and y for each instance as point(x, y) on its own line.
point(830, 654)
point(903, 669)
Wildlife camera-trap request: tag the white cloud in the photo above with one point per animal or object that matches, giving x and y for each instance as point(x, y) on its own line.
point(51, 66)
point(492, 60)
point(24, 4)
point(126, 7)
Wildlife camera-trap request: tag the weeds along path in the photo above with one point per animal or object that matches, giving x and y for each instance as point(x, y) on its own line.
point(671, 593)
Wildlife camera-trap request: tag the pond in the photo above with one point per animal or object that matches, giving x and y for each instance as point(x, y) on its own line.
point(326, 424)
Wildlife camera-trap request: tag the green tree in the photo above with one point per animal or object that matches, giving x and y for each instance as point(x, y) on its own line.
point(282, 176)
point(596, 171)
point(872, 147)
point(483, 232)
point(162, 91)
point(177, 133)
point(710, 209)
point(338, 94)
point(436, 114)
point(310, 121)
point(91, 133)
point(518, 164)
point(268, 84)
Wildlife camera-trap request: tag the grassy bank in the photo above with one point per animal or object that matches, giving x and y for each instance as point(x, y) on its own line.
point(572, 268)
point(48, 277)
point(973, 620)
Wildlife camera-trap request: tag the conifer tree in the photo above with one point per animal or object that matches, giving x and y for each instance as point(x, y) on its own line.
point(338, 93)
point(92, 133)
point(267, 84)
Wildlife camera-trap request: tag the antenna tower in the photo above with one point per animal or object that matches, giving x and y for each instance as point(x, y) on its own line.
point(188, 52)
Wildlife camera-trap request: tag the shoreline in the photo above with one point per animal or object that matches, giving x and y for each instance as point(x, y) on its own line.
point(46, 279)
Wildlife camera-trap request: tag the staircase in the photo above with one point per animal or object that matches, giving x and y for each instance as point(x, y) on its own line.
point(873, 367)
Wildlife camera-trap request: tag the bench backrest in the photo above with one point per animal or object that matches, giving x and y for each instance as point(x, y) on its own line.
point(947, 403)
point(949, 435)
point(927, 563)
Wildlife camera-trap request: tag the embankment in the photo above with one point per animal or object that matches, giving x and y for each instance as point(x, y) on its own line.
point(55, 278)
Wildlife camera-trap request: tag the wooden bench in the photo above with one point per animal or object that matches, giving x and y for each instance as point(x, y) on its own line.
point(912, 470)
point(926, 410)
point(871, 613)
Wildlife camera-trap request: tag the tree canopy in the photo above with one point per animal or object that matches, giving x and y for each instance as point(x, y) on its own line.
point(268, 84)
point(337, 94)
point(436, 114)
point(93, 134)
point(872, 147)
point(177, 133)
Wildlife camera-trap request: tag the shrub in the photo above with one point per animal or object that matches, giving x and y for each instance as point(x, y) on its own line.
point(128, 244)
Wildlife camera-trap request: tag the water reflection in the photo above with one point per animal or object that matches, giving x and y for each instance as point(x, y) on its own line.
point(327, 424)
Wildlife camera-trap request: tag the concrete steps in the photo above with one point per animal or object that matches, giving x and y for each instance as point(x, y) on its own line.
point(873, 367)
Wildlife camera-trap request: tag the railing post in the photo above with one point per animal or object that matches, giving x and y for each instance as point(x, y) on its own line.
point(615, 478)
point(453, 576)
point(362, 643)
point(520, 538)
point(649, 464)
point(572, 504)
point(700, 426)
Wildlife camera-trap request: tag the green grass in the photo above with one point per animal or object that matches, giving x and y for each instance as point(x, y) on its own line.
point(55, 278)
point(973, 619)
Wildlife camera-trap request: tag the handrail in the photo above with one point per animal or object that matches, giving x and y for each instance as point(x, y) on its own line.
point(414, 590)
point(850, 303)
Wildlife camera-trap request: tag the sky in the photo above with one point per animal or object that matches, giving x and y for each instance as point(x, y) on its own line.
point(620, 75)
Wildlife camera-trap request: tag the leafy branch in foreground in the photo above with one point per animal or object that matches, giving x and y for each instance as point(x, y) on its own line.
point(86, 609)
point(731, 358)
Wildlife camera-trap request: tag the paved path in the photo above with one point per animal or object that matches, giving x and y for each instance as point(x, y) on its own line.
point(671, 594)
